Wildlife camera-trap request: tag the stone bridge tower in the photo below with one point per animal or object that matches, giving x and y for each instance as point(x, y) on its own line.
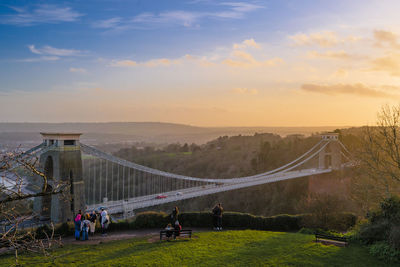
point(62, 162)
point(330, 156)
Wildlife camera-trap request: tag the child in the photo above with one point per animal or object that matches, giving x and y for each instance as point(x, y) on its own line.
point(169, 231)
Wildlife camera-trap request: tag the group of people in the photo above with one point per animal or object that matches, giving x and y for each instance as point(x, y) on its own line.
point(175, 222)
point(86, 223)
point(175, 227)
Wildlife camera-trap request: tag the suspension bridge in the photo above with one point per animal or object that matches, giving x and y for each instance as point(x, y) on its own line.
point(99, 179)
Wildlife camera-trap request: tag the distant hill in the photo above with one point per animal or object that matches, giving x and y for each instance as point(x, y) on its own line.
point(26, 134)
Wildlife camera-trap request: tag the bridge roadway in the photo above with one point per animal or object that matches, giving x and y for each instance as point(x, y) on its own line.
point(128, 205)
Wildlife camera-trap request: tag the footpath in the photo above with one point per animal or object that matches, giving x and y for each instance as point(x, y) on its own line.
point(152, 234)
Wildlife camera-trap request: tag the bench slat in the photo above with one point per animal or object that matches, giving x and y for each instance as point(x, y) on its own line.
point(331, 237)
point(184, 232)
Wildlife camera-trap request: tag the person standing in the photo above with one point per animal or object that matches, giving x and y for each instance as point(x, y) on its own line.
point(85, 227)
point(93, 218)
point(219, 216)
point(174, 215)
point(104, 221)
point(215, 217)
point(77, 222)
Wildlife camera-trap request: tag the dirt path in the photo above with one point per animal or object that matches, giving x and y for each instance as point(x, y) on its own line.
point(153, 235)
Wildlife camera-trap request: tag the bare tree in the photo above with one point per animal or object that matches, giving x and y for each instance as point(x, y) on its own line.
point(380, 151)
point(16, 172)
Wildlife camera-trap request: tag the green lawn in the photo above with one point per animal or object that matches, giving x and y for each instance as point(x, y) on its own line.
point(228, 248)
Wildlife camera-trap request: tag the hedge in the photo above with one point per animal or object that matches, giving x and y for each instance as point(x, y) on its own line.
point(236, 220)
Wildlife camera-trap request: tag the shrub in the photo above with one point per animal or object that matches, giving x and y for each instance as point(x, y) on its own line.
point(335, 221)
point(150, 219)
point(372, 232)
point(383, 224)
point(65, 229)
point(306, 231)
point(43, 231)
point(385, 252)
point(159, 220)
point(195, 219)
point(120, 225)
point(394, 237)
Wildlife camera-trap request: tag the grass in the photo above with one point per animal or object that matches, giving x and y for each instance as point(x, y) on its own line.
point(228, 248)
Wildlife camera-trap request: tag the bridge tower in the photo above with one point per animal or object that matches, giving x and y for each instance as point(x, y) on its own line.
point(62, 162)
point(330, 156)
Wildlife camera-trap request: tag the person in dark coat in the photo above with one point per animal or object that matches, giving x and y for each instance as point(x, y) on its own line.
point(217, 216)
point(93, 218)
point(174, 215)
point(169, 231)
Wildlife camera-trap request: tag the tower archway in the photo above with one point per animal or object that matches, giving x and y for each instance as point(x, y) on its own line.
point(62, 164)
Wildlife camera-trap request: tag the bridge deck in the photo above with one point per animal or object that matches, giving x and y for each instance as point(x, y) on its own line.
point(131, 204)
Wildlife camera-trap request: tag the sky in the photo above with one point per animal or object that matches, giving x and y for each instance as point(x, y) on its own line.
point(199, 62)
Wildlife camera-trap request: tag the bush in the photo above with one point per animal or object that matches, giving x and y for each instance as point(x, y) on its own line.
point(373, 232)
point(65, 229)
point(241, 220)
point(394, 237)
point(383, 224)
point(195, 219)
point(43, 231)
point(306, 231)
point(150, 219)
point(385, 252)
point(335, 221)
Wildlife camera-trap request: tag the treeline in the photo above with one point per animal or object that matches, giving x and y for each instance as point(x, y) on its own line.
point(236, 156)
point(224, 157)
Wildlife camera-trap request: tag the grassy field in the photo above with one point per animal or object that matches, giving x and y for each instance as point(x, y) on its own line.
point(228, 248)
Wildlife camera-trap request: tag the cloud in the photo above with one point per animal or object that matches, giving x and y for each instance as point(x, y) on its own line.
point(49, 50)
point(246, 60)
point(246, 43)
point(150, 63)
point(159, 62)
point(228, 10)
point(123, 63)
point(108, 23)
point(383, 37)
point(389, 63)
point(341, 73)
point(329, 55)
point(243, 91)
point(40, 14)
point(347, 89)
point(78, 70)
point(323, 39)
point(39, 59)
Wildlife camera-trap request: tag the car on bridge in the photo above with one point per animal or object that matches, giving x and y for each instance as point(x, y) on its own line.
point(161, 196)
point(178, 194)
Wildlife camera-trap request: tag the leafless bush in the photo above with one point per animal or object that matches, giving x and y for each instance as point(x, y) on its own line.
point(16, 172)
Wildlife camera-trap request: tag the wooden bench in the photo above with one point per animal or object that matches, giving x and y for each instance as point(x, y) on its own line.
point(320, 236)
point(175, 233)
